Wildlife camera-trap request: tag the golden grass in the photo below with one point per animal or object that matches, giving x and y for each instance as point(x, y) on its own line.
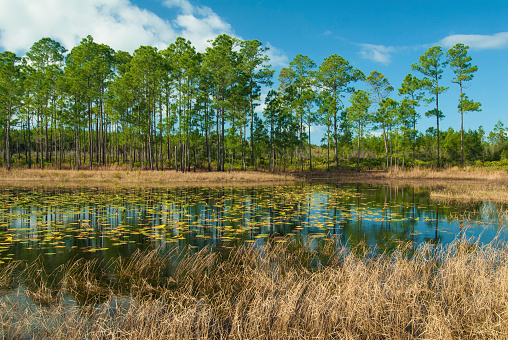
point(465, 185)
point(465, 174)
point(468, 184)
point(471, 193)
point(411, 176)
point(142, 177)
point(450, 292)
point(417, 176)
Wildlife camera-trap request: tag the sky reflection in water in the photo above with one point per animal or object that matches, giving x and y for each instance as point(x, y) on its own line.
point(65, 223)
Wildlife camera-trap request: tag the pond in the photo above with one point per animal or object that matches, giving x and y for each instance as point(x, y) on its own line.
point(68, 223)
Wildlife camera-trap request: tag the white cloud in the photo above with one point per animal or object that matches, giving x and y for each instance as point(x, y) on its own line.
point(183, 5)
point(377, 53)
point(477, 41)
point(260, 109)
point(198, 23)
point(316, 130)
point(377, 133)
point(383, 54)
point(117, 23)
point(277, 56)
point(200, 29)
point(261, 106)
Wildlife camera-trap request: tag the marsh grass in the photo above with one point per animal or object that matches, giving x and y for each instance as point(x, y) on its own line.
point(467, 184)
point(144, 177)
point(471, 193)
point(417, 176)
point(280, 290)
point(9, 274)
point(455, 173)
point(87, 281)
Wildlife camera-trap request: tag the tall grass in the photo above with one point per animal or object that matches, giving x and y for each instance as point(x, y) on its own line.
point(471, 193)
point(145, 177)
point(168, 177)
point(274, 291)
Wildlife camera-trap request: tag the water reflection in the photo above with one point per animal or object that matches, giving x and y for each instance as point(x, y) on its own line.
point(65, 223)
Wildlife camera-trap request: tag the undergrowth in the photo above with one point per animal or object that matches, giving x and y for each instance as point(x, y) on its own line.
point(277, 291)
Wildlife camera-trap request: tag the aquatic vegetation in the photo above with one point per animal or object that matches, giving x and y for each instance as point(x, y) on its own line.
point(275, 290)
point(336, 260)
point(67, 223)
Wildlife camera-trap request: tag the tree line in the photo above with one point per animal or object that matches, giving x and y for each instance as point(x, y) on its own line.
point(180, 109)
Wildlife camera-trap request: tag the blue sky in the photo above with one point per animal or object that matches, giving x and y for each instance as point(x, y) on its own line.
point(387, 36)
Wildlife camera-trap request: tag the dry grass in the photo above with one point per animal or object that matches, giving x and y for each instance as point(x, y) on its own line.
point(453, 292)
point(471, 193)
point(412, 176)
point(145, 177)
point(466, 185)
point(457, 174)
point(419, 177)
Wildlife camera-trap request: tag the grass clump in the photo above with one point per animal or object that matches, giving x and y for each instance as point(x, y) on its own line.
point(143, 178)
point(471, 193)
point(447, 292)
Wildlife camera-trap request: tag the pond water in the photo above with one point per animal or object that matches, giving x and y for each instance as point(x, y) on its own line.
point(67, 223)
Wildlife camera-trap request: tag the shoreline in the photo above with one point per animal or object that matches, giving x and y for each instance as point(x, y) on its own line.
point(201, 176)
point(466, 185)
point(411, 176)
point(169, 178)
point(263, 292)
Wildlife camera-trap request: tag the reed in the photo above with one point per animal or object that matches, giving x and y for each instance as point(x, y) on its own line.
point(139, 177)
point(446, 292)
point(456, 175)
point(471, 193)
point(417, 176)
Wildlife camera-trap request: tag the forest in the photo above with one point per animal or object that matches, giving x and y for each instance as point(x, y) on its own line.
point(94, 107)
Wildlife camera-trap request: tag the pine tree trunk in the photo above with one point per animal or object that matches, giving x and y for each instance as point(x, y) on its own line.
point(437, 119)
point(328, 149)
point(218, 141)
point(336, 156)
point(461, 132)
point(358, 153)
point(90, 138)
point(310, 151)
point(223, 149)
point(251, 127)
